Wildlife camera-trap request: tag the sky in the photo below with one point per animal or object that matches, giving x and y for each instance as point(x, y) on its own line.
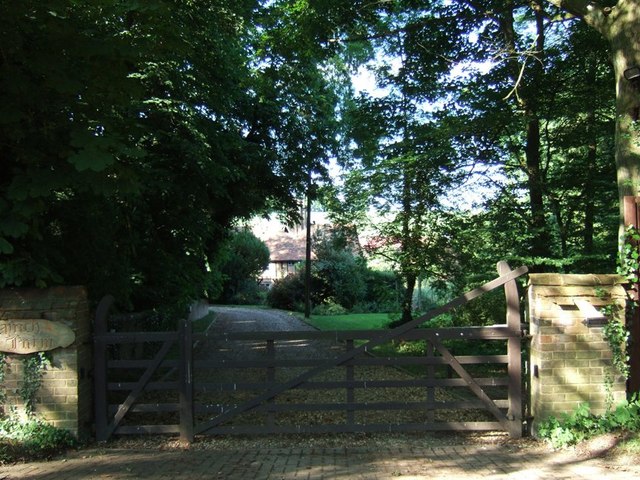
point(470, 195)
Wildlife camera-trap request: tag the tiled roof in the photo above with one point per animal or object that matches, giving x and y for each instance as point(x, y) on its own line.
point(286, 247)
point(286, 244)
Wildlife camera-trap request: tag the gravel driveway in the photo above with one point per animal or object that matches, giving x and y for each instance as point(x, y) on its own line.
point(241, 320)
point(236, 319)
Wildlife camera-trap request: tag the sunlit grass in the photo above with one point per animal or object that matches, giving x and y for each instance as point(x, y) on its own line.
point(630, 445)
point(355, 321)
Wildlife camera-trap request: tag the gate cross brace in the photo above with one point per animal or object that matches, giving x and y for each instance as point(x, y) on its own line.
point(139, 388)
point(473, 385)
point(345, 357)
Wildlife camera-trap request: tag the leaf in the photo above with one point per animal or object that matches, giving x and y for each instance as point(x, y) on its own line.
point(13, 228)
point(90, 159)
point(5, 247)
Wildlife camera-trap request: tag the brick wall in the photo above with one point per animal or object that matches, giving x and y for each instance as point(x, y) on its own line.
point(570, 359)
point(65, 397)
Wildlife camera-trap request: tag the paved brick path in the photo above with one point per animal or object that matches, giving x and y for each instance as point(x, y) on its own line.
point(443, 462)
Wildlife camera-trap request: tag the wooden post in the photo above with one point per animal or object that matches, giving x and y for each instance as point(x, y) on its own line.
point(631, 217)
point(431, 375)
point(185, 337)
point(100, 369)
point(350, 390)
point(271, 377)
point(514, 351)
point(307, 267)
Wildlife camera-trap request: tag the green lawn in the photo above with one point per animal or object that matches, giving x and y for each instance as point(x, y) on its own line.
point(355, 321)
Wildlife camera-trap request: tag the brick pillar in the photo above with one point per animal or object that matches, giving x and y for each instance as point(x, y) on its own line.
point(65, 397)
point(570, 359)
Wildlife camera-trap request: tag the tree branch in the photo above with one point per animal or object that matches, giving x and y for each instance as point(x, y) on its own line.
point(591, 12)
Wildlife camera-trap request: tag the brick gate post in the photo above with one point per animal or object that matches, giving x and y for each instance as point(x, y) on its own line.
point(571, 361)
point(27, 315)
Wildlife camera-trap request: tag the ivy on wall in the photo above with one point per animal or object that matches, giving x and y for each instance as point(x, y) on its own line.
point(3, 367)
point(617, 336)
point(33, 367)
point(33, 370)
point(615, 332)
point(629, 258)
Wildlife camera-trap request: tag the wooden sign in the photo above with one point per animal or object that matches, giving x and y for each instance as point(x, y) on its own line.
point(33, 335)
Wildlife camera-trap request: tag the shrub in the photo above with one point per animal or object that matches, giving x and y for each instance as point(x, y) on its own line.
point(383, 292)
point(581, 424)
point(287, 293)
point(329, 307)
point(242, 261)
point(248, 293)
point(32, 439)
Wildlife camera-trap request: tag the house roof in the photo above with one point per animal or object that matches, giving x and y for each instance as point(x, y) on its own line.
point(286, 244)
point(286, 247)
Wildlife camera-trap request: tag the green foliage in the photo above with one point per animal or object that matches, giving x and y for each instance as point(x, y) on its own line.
point(287, 293)
point(338, 272)
point(340, 279)
point(581, 424)
point(32, 440)
point(383, 292)
point(629, 257)
point(33, 369)
point(329, 308)
point(617, 336)
point(534, 156)
point(134, 134)
point(244, 258)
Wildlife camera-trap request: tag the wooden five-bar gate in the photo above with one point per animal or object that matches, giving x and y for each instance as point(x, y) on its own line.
point(262, 382)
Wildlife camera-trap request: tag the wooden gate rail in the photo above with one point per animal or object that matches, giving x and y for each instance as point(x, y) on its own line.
point(270, 363)
point(108, 417)
point(511, 421)
point(507, 413)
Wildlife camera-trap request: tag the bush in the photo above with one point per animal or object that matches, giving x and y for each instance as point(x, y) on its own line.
point(32, 439)
point(242, 261)
point(329, 307)
point(383, 292)
point(248, 293)
point(287, 293)
point(581, 424)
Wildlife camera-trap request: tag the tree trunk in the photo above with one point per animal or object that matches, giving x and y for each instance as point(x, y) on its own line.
point(620, 25)
point(589, 206)
point(541, 246)
point(527, 102)
point(406, 262)
point(624, 36)
point(592, 158)
point(535, 180)
point(407, 300)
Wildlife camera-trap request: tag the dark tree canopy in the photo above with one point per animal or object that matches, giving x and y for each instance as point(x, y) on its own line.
point(133, 134)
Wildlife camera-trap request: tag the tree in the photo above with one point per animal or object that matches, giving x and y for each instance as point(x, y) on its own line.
point(552, 138)
point(245, 258)
point(401, 165)
point(338, 271)
point(504, 96)
point(134, 134)
point(619, 23)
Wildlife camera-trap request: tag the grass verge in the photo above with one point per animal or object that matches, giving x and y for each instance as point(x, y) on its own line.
point(356, 321)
